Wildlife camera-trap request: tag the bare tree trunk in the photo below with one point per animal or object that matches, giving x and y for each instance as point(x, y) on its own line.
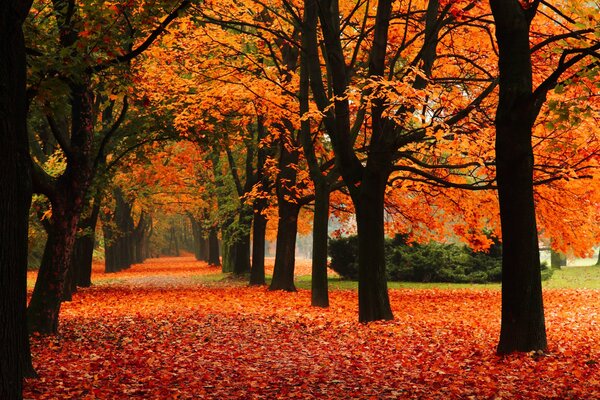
point(522, 324)
point(15, 181)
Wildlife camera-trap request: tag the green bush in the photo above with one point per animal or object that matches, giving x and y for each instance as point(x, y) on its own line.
point(344, 256)
point(432, 262)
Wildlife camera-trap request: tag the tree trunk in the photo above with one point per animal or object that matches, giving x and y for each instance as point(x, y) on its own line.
point(373, 299)
point(242, 243)
point(319, 289)
point(44, 306)
point(522, 325)
point(202, 248)
point(259, 229)
point(109, 243)
point(138, 231)
point(213, 248)
point(84, 247)
point(287, 228)
point(83, 255)
point(285, 251)
point(15, 181)
point(320, 294)
point(67, 195)
point(227, 245)
point(197, 234)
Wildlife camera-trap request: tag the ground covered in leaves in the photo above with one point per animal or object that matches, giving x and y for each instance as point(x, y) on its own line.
point(173, 328)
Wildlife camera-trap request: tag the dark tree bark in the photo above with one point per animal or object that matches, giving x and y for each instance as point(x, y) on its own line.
point(84, 246)
point(373, 299)
point(200, 241)
point(259, 220)
point(140, 231)
point(242, 243)
point(522, 325)
point(213, 248)
point(15, 181)
point(47, 294)
point(259, 229)
point(287, 228)
point(227, 245)
point(319, 285)
point(80, 271)
point(285, 250)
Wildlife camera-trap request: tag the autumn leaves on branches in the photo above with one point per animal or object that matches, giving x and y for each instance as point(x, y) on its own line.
point(379, 112)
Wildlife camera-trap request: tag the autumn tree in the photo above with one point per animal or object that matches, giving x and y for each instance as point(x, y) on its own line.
point(523, 327)
point(15, 200)
point(80, 143)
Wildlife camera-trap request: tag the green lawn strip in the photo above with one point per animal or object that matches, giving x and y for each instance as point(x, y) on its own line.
point(575, 278)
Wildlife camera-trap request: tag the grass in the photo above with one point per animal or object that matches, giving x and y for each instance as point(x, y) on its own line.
point(587, 277)
point(565, 278)
point(575, 278)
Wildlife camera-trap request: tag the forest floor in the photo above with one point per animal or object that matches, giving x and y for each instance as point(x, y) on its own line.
point(177, 328)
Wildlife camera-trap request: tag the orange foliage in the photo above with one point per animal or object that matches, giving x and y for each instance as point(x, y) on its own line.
point(158, 333)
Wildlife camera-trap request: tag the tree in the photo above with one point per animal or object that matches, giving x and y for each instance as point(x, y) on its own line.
point(14, 203)
point(522, 326)
point(79, 142)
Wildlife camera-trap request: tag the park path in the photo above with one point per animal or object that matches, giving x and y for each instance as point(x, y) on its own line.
point(172, 272)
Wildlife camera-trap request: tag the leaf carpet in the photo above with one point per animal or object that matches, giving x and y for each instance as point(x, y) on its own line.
point(218, 339)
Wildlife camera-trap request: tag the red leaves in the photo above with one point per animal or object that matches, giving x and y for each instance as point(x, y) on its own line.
point(194, 338)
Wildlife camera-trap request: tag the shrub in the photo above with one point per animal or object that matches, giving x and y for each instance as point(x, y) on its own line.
point(432, 262)
point(344, 256)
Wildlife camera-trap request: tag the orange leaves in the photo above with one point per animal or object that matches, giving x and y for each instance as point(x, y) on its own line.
point(163, 331)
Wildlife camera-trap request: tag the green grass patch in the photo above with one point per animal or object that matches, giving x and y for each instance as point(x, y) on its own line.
point(565, 278)
point(304, 282)
point(575, 278)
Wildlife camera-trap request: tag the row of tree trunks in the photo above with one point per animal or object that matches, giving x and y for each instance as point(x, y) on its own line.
point(125, 243)
point(15, 200)
point(200, 239)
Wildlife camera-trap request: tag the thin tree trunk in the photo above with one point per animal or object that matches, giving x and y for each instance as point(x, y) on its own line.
point(259, 229)
point(213, 248)
point(15, 181)
point(202, 248)
point(319, 288)
point(320, 292)
point(227, 246)
point(197, 234)
point(522, 324)
point(242, 245)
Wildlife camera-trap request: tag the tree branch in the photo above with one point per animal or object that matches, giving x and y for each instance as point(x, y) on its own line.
point(146, 43)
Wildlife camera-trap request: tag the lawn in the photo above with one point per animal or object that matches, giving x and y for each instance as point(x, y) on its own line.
point(176, 328)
